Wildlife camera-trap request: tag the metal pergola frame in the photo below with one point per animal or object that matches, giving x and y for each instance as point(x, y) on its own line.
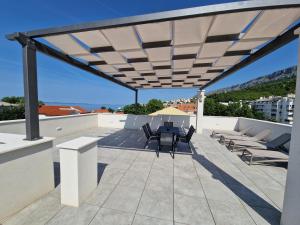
point(31, 45)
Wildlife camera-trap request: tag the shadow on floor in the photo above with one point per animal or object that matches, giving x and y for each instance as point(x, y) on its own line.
point(254, 201)
point(56, 165)
point(134, 140)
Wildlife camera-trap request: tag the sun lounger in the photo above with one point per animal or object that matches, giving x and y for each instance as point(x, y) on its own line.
point(217, 133)
point(258, 137)
point(264, 156)
point(276, 143)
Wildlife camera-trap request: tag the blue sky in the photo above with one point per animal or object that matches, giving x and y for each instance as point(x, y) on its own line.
point(59, 82)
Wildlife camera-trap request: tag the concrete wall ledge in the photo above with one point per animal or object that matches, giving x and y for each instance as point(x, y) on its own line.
point(54, 126)
point(26, 172)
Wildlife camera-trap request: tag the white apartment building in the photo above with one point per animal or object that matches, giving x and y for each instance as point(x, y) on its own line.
point(280, 109)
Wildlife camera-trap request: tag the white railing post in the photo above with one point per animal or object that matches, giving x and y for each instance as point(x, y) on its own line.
point(200, 109)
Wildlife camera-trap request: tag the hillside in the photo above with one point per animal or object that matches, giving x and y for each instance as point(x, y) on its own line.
point(279, 83)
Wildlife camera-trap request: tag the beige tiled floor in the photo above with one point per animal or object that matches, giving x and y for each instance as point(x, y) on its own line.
point(207, 185)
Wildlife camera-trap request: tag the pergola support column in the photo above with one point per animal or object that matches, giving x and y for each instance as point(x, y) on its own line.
point(136, 97)
point(291, 205)
point(30, 90)
point(200, 109)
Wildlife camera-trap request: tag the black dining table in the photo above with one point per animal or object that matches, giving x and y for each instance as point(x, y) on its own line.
point(173, 130)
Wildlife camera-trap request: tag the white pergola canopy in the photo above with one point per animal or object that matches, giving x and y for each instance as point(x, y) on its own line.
point(179, 52)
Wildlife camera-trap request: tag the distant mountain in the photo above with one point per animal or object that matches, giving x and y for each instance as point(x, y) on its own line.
point(279, 83)
point(278, 75)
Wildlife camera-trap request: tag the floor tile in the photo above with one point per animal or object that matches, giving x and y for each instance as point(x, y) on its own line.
point(217, 190)
point(112, 175)
point(229, 213)
point(112, 217)
point(72, 215)
point(99, 196)
point(160, 180)
point(192, 210)
point(145, 220)
point(189, 187)
point(158, 204)
point(264, 216)
point(134, 179)
point(37, 213)
point(124, 199)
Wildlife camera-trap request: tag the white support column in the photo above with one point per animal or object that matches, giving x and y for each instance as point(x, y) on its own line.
point(200, 108)
point(78, 169)
point(291, 205)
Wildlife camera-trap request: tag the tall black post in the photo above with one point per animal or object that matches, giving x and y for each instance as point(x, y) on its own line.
point(30, 91)
point(136, 97)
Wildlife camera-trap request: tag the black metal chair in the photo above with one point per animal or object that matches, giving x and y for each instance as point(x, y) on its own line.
point(168, 124)
point(149, 136)
point(186, 138)
point(167, 140)
point(152, 133)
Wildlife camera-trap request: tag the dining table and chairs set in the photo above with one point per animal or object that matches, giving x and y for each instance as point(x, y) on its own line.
point(168, 136)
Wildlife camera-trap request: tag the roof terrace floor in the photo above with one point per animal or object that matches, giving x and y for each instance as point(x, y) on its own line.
point(205, 185)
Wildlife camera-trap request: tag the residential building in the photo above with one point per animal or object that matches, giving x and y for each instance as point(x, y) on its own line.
point(277, 108)
point(175, 102)
point(56, 110)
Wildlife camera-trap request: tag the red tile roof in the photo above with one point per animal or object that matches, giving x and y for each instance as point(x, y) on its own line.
point(191, 107)
point(58, 110)
point(101, 111)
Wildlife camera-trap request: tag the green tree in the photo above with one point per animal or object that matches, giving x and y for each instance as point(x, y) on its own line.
point(103, 107)
point(12, 112)
point(13, 99)
point(110, 110)
point(154, 105)
point(17, 100)
point(136, 109)
point(209, 107)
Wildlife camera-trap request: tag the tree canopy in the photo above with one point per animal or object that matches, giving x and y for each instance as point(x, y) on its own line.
point(17, 100)
point(152, 106)
point(12, 112)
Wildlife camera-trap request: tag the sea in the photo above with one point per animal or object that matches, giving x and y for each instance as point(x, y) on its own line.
point(87, 106)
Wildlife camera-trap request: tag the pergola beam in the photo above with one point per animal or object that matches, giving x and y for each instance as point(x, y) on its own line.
point(163, 16)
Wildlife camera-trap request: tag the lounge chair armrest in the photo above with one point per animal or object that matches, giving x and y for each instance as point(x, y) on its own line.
point(213, 134)
point(222, 139)
point(231, 145)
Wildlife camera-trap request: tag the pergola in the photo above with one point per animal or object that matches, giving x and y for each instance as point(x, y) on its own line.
point(185, 48)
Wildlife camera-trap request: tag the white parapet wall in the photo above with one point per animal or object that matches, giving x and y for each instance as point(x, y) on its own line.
point(259, 125)
point(220, 123)
point(26, 172)
point(54, 126)
point(129, 121)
